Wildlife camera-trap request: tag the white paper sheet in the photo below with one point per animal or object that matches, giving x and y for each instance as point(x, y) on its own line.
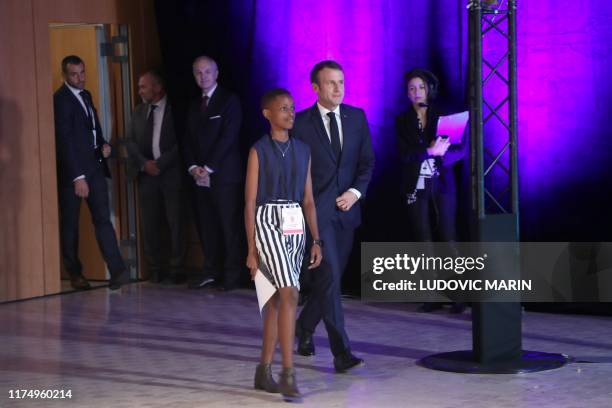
point(264, 289)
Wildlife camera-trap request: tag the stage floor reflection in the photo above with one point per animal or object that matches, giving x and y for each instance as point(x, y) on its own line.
point(168, 346)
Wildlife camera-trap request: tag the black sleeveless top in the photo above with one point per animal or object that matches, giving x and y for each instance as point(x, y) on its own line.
point(282, 169)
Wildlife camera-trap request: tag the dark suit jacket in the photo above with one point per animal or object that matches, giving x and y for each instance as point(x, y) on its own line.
point(412, 148)
point(329, 178)
point(76, 154)
point(212, 139)
point(139, 146)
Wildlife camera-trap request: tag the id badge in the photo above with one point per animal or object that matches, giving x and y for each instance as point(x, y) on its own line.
point(292, 221)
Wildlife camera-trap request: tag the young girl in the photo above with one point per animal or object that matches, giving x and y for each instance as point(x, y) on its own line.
point(278, 180)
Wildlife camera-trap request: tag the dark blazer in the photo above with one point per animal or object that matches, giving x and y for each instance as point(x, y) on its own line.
point(76, 154)
point(212, 139)
point(330, 178)
point(139, 145)
point(412, 148)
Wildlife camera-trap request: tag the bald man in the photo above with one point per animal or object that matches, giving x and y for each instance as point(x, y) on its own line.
point(212, 157)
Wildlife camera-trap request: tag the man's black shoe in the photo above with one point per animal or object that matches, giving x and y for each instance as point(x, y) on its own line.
point(429, 307)
point(155, 277)
point(305, 344)
point(457, 308)
point(114, 285)
point(171, 280)
point(79, 282)
point(118, 279)
point(226, 288)
point(345, 361)
point(199, 284)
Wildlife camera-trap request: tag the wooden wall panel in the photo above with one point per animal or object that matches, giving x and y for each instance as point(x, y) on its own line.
point(21, 248)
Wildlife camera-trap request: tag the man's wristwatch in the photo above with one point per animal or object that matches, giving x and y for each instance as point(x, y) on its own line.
point(318, 242)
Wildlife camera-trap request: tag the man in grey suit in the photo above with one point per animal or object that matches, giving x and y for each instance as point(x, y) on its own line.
point(154, 159)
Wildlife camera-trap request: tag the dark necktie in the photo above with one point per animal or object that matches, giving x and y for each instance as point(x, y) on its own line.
point(204, 104)
point(88, 107)
point(149, 131)
point(334, 134)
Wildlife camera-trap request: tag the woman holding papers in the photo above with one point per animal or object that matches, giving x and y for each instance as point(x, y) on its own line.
point(278, 197)
point(428, 180)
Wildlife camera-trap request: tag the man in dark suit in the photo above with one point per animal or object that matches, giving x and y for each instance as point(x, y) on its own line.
point(154, 158)
point(212, 157)
point(82, 168)
point(342, 165)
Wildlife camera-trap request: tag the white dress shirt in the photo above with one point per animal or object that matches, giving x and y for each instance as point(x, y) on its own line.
point(324, 111)
point(209, 94)
point(158, 117)
point(77, 93)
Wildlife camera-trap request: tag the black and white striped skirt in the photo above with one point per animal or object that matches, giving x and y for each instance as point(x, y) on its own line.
point(280, 256)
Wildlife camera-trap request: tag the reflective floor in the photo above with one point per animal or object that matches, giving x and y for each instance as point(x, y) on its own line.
point(167, 346)
point(66, 287)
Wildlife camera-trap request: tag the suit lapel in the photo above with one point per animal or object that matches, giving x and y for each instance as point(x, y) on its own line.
point(77, 104)
point(75, 100)
point(317, 123)
point(163, 130)
point(147, 141)
point(214, 101)
point(348, 129)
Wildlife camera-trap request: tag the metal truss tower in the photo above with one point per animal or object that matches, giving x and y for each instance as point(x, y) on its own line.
point(496, 327)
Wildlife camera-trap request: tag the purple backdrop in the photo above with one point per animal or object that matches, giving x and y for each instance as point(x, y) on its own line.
point(564, 70)
point(375, 42)
point(564, 67)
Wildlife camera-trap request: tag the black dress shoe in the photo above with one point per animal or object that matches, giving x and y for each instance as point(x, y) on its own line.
point(114, 285)
point(305, 344)
point(345, 361)
point(178, 278)
point(170, 280)
point(200, 283)
point(118, 279)
point(155, 276)
point(429, 307)
point(79, 282)
point(457, 308)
